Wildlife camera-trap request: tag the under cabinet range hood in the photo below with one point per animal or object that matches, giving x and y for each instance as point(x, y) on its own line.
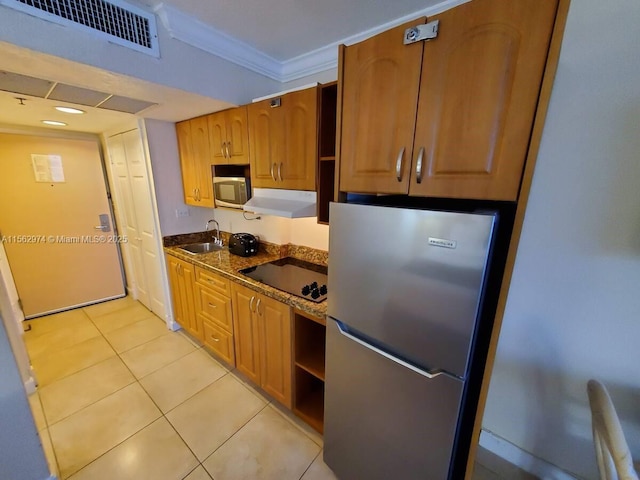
point(282, 203)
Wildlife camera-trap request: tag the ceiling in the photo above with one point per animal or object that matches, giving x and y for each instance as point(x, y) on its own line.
point(169, 104)
point(284, 29)
point(278, 29)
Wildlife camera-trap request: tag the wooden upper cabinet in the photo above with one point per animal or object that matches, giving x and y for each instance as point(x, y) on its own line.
point(238, 135)
point(284, 141)
point(478, 95)
point(195, 161)
point(187, 162)
point(380, 81)
point(266, 141)
point(229, 136)
point(298, 169)
point(461, 105)
point(218, 138)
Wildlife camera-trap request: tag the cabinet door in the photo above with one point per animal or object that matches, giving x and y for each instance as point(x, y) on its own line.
point(297, 169)
point(202, 158)
point(216, 122)
point(245, 332)
point(266, 139)
point(380, 79)
point(478, 94)
point(182, 280)
point(275, 326)
point(237, 135)
point(187, 283)
point(187, 163)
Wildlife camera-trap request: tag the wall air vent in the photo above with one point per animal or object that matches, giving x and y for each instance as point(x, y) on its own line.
point(115, 20)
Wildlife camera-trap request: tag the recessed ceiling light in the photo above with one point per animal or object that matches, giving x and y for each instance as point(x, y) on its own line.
point(53, 122)
point(70, 110)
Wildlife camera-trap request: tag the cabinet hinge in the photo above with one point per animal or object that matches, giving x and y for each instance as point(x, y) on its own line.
point(275, 102)
point(421, 32)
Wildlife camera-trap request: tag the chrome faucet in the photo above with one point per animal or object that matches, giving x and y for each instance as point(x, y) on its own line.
point(216, 237)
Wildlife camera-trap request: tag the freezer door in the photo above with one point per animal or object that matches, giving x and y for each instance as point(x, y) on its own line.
point(410, 280)
point(383, 420)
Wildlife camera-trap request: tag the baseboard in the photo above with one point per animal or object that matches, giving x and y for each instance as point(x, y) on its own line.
point(30, 385)
point(524, 460)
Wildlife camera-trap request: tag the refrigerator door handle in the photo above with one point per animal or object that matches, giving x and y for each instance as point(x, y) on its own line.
point(429, 375)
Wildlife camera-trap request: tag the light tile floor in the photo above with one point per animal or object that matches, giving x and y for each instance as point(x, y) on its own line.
point(122, 397)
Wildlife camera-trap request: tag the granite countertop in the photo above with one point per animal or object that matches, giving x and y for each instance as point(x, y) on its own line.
point(228, 265)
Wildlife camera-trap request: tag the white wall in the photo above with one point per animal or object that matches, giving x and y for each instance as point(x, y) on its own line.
point(573, 310)
point(180, 65)
point(21, 453)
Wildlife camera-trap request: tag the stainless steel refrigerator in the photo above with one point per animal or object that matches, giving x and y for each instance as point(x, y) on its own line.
point(406, 289)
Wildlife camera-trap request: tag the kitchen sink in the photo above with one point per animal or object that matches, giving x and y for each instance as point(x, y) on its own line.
point(205, 247)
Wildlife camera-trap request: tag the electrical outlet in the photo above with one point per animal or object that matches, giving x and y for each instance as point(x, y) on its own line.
point(182, 212)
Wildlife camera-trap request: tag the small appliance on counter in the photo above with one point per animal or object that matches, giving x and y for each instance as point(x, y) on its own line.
point(243, 244)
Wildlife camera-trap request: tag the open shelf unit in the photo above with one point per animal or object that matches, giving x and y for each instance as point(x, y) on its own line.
point(309, 362)
point(327, 149)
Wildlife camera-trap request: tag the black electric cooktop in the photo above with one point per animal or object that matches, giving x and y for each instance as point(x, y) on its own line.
point(304, 279)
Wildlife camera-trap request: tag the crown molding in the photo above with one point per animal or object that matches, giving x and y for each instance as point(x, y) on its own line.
point(192, 31)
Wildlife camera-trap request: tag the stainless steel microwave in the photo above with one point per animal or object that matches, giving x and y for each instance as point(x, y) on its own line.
point(231, 192)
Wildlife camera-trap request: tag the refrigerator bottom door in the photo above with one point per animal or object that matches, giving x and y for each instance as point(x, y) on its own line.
point(383, 420)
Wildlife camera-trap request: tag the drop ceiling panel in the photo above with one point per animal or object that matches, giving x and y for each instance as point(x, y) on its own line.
point(80, 96)
point(13, 82)
point(125, 104)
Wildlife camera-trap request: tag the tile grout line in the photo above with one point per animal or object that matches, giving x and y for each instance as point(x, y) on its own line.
point(309, 466)
point(234, 434)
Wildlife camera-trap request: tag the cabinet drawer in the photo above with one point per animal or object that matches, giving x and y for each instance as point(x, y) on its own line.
point(219, 341)
point(213, 281)
point(214, 307)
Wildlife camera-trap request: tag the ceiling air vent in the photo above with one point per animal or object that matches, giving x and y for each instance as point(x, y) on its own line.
point(116, 21)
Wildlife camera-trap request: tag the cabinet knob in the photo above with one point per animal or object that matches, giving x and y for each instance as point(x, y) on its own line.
point(212, 305)
point(251, 303)
point(273, 166)
point(228, 148)
point(280, 171)
point(222, 149)
point(258, 306)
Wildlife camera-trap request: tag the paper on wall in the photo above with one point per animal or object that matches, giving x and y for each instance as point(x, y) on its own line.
point(47, 168)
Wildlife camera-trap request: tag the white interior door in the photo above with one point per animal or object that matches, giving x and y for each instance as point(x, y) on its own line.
point(49, 211)
point(129, 165)
point(128, 221)
point(140, 187)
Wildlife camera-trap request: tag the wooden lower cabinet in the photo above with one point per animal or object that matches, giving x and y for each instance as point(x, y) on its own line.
point(182, 281)
point(262, 336)
point(213, 309)
point(243, 328)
